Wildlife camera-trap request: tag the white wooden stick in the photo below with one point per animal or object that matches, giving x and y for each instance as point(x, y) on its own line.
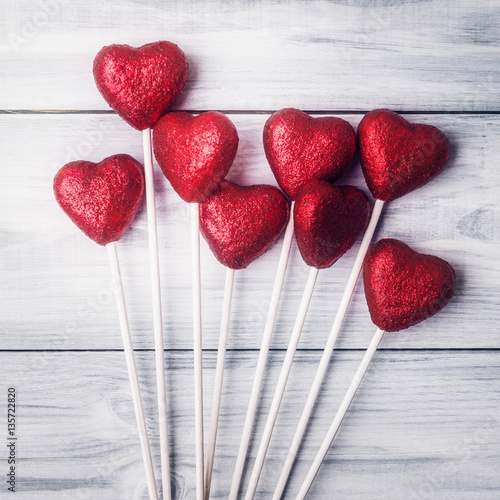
point(157, 313)
point(219, 374)
point(132, 371)
point(198, 349)
point(327, 353)
point(344, 406)
point(261, 362)
point(283, 378)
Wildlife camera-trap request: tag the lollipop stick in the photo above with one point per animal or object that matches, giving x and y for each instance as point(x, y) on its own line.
point(197, 351)
point(280, 387)
point(219, 374)
point(157, 315)
point(132, 371)
point(261, 362)
point(344, 406)
point(325, 359)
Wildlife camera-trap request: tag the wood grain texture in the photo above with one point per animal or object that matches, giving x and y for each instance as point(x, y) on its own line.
point(56, 281)
point(247, 55)
point(406, 436)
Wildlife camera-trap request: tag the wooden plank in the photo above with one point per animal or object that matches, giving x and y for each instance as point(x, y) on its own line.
point(55, 282)
point(265, 55)
point(423, 425)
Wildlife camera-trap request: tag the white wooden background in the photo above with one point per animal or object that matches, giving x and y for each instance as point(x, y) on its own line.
point(425, 423)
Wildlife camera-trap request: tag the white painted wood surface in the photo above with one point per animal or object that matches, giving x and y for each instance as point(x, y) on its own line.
point(246, 55)
point(422, 421)
point(425, 423)
point(61, 276)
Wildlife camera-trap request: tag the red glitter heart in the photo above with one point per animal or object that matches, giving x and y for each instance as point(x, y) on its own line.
point(101, 198)
point(241, 223)
point(328, 220)
point(398, 157)
point(195, 153)
point(141, 84)
point(403, 287)
point(301, 149)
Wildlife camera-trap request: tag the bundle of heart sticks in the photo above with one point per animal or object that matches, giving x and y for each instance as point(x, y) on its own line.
point(239, 223)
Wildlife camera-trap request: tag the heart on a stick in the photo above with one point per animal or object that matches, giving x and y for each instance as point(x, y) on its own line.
point(404, 287)
point(141, 84)
point(397, 156)
point(300, 148)
point(101, 198)
point(328, 220)
point(241, 223)
point(195, 152)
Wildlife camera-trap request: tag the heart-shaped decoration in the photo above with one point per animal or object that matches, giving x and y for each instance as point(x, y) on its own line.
point(301, 149)
point(101, 198)
point(404, 287)
point(195, 152)
point(141, 84)
point(397, 156)
point(241, 223)
point(328, 220)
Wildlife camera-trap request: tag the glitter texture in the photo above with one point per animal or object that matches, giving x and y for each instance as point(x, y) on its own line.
point(241, 223)
point(301, 149)
point(398, 157)
point(328, 220)
point(195, 153)
point(101, 198)
point(141, 84)
point(403, 287)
